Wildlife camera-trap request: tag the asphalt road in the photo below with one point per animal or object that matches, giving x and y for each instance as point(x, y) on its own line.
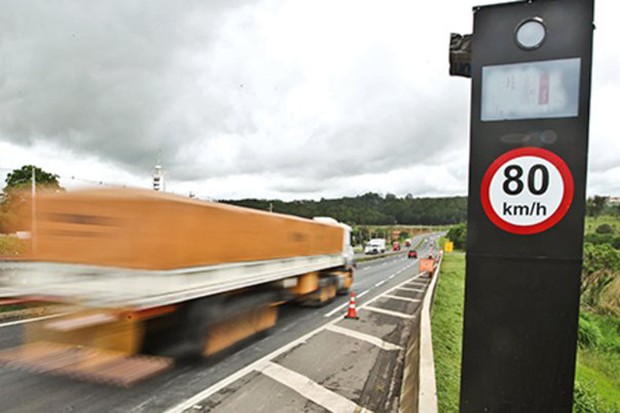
point(26, 392)
point(414, 240)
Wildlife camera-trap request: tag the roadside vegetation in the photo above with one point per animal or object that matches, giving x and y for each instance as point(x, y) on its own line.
point(447, 327)
point(597, 378)
point(371, 209)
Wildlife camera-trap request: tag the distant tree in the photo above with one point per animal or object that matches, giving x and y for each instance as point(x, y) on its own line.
point(595, 205)
point(18, 182)
point(372, 209)
point(22, 177)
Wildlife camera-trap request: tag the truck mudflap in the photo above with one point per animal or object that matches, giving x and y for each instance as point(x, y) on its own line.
point(84, 363)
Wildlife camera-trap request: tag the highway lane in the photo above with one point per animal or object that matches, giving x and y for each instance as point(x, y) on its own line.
point(25, 392)
point(414, 242)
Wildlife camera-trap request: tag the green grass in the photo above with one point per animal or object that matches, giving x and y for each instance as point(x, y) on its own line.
point(447, 327)
point(598, 365)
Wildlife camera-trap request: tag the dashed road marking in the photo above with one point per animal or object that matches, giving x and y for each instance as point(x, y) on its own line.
point(417, 290)
point(398, 297)
point(364, 337)
point(310, 389)
point(388, 312)
point(181, 407)
point(380, 283)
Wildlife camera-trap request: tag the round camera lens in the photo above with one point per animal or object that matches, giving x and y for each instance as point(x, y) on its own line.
point(530, 34)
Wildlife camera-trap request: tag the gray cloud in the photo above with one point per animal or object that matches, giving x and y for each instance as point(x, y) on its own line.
point(273, 89)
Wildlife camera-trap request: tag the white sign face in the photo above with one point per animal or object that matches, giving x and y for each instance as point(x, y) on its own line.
point(534, 90)
point(527, 190)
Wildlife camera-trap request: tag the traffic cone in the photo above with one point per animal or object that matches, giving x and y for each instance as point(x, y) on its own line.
point(352, 313)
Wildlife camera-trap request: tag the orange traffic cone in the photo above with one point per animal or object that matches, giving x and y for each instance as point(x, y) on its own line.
point(352, 313)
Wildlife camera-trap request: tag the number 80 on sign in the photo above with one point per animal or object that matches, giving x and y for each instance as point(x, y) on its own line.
point(527, 190)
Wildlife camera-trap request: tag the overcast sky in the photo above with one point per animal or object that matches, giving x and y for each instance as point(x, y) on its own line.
point(267, 99)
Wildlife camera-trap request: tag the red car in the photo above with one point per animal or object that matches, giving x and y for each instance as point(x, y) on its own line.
point(412, 254)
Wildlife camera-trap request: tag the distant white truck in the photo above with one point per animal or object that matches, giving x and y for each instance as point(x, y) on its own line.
point(375, 246)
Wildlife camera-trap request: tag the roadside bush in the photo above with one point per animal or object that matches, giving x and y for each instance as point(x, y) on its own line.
point(598, 239)
point(589, 335)
point(601, 265)
point(604, 229)
point(585, 398)
point(458, 235)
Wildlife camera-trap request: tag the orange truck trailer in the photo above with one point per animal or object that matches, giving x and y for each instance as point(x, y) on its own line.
point(154, 277)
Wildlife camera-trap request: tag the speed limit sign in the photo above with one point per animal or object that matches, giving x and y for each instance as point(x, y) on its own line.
point(527, 190)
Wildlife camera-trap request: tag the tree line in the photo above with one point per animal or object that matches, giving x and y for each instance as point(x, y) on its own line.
point(370, 209)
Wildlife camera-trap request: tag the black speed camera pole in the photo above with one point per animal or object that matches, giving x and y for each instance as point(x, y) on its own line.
point(530, 65)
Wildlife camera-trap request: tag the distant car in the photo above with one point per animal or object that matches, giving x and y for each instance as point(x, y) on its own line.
point(412, 254)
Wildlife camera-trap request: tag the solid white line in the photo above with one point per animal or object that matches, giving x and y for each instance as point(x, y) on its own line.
point(364, 337)
point(380, 283)
point(427, 392)
point(310, 389)
point(335, 310)
point(397, 297)
point(179, 408)
point(388, 312)
point(30, 320)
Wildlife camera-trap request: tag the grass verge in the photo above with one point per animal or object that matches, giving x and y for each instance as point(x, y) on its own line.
point(447, 327)
point(597, 381)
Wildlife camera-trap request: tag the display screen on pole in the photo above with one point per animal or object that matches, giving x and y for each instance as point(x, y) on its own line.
point(533, 90)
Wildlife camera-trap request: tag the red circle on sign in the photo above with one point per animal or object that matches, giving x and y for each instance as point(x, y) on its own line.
point(567, 179)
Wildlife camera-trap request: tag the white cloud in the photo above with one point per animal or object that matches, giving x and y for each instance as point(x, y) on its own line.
point(272, 98)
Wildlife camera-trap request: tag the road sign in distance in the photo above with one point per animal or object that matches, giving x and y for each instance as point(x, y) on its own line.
point(527, 190)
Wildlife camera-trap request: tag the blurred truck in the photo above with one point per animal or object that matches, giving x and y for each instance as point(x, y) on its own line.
point(375, 246)
point(154, 277)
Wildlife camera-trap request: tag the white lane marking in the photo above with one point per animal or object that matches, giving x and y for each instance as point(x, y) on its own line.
point(388, 312)
point(389, 291)
point(310, 389)
point(335, 310)
point(179, 408)
point(398, 297)
point(380, 283)
point(416, 285)
point(392, 276)
point(364, 337)
point(30, 320)
point(417, 290)
point(340, 307)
